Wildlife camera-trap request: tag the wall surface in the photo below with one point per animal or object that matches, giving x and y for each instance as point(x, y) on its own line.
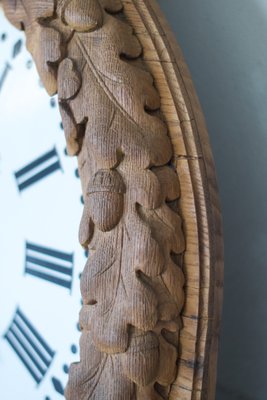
point(225, 46)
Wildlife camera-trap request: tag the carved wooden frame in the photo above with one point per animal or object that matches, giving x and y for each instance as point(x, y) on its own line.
point(152, 289)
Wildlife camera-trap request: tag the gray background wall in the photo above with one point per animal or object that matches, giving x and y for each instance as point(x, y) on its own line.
point(225, 46)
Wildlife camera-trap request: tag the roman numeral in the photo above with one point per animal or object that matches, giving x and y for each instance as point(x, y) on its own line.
point(38, 169)
point(4, 74)
point(29, 346)
point(49, 264)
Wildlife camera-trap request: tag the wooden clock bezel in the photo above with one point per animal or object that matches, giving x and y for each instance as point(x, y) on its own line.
point(110, 187)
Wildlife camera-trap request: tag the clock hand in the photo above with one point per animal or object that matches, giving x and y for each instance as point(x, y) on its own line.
point(17, 48)
point(4, 74)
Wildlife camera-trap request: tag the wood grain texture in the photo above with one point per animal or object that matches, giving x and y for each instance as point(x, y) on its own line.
point(152, 285)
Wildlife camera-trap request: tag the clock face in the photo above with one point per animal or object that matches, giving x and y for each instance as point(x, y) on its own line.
point(41, 259)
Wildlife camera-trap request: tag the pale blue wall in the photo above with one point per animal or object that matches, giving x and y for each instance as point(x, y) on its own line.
point(225, 45)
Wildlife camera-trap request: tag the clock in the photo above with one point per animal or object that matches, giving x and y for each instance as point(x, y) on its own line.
point(152, 289)
point(41, 259)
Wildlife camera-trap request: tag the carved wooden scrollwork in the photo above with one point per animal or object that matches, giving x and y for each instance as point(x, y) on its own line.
point(151, 287)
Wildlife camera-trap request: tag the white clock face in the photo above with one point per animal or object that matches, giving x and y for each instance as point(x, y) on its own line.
point(41, 259)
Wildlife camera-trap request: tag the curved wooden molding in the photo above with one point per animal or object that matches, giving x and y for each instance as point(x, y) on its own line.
point(152, 285)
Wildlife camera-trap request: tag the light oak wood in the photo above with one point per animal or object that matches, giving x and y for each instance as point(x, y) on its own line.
point(152, 287)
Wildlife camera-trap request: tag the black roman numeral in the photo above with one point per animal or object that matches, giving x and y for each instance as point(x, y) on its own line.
point(38, 169)
point(4, 74)
point(49, 264)
point(29, 346)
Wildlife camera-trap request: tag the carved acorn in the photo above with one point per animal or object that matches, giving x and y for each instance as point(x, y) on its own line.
point(83, 15)
point(105, 199)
